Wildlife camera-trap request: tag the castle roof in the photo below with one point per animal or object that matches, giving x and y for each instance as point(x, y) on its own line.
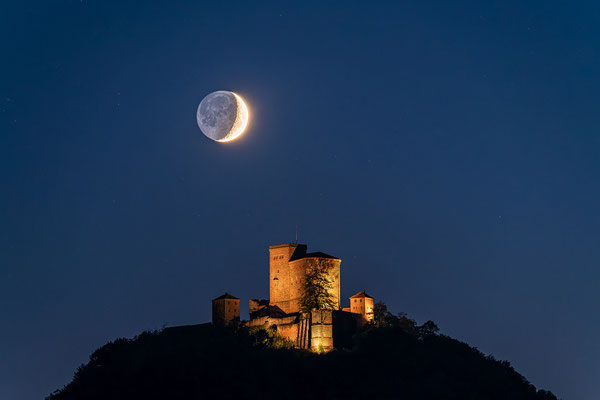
point(262, 302)
point(316, 254)
point(226, 296)
point(361, 294)
point(276, 246)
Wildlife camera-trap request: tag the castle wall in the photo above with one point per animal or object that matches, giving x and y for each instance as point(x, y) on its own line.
point(287, 277)
point(309, 330)
point(296, 277)
point(288, 327)
point(280, 276)
point(363, 306)
point(321, 331)
point(318, 331)
point(267, 320)
point(289, 331)
point(304, 336)
point(256, 305)
point(336, 278)
point(369, 305)
point(299, 272)
point(357, 306)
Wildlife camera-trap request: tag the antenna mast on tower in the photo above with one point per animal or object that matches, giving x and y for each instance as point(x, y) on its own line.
point(296, 233)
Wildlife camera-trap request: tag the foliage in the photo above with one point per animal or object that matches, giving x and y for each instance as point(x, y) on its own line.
point(379, 313)
point(405, 360)
point(270, 338)
point(428, 328)
point(315, 292)
point(207, 362)
point(383, 318)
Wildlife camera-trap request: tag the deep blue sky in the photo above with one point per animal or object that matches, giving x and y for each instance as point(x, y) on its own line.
point(448, 153)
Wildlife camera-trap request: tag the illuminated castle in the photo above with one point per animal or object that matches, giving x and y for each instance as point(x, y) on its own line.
point(319, 330)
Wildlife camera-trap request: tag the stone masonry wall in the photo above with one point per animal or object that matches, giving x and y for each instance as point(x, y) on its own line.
point(225, 311)
point(288, 288)
point(321, 331)
point(279, 275)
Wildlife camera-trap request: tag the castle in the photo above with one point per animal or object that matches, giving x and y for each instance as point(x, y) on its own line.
point(319, 330)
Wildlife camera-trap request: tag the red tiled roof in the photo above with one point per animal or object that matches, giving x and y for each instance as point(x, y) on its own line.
point(361, 294)
point(226, 296)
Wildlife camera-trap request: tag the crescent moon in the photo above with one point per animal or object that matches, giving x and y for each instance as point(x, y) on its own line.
point(241, 120)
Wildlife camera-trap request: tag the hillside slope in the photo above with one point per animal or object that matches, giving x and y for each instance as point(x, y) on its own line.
point(202, 361)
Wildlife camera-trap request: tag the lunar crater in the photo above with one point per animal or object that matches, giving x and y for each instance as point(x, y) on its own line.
point(222, 116)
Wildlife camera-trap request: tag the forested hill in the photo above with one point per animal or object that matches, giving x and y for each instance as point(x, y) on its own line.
point(206, 362)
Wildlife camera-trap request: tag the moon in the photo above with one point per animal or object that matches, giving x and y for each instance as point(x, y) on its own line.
point(222, 116)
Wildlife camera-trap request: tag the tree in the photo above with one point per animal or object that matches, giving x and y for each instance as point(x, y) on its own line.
point(315, 292)
point(427, 329)
point(383, 318)
point(406, 323)
point(379, 313)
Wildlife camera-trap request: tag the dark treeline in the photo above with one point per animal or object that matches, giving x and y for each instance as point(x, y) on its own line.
point(392, 359)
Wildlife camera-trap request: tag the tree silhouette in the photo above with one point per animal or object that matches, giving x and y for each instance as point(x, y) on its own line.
point(211, 362)
point(407, 324)
point(379, 313)
point(427, 329)
point(315, 292)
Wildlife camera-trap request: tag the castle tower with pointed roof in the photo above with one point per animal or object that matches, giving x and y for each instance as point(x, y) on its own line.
point(225, 310)
point(362, 303)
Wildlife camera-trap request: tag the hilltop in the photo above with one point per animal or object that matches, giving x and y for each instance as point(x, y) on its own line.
point(205, 361)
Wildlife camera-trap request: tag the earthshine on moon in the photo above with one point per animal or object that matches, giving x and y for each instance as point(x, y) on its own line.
point(222, 116)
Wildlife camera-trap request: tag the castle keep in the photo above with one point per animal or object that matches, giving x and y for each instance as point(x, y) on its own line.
point(287, 268)
point(320, 330)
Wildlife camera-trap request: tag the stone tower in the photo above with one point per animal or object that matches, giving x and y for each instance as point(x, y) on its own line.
point(287, 268)
point(362, 303)
point(225, 310)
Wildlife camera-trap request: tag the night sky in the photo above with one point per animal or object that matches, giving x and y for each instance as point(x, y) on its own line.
point(447, 152)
